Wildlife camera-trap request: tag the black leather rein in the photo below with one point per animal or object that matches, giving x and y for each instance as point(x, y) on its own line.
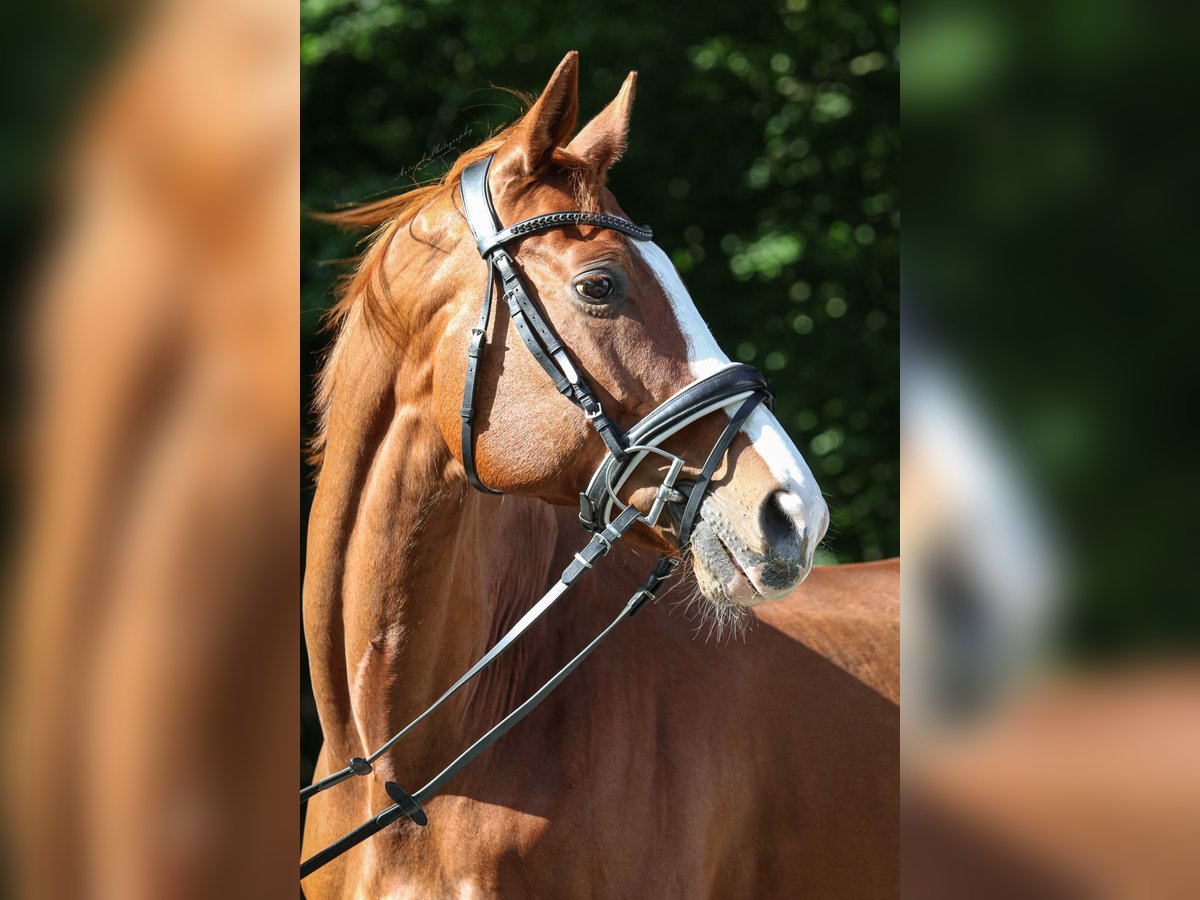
point(735, 388)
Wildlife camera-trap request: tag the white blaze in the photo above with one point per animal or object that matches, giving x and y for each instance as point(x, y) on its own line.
point(803, 500)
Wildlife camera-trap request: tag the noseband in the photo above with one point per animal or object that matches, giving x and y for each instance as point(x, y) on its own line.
point(738, 388)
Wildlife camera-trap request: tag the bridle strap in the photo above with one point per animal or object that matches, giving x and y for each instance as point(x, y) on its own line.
point(474, 355)
point(562, 220)
point(481, 217)
point(478, 209)
point(535, 332)
point(541, 341)
point(710, 466)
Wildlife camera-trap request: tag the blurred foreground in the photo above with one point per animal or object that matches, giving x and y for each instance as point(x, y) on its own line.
point(1051, 684)
point(1022, 777)
point(151, 672)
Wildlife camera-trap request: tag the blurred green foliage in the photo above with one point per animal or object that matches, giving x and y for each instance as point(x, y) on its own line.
point(1053, 251)
point(764, 151)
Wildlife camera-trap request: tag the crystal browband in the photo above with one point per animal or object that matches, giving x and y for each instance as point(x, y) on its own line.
point(557, 220)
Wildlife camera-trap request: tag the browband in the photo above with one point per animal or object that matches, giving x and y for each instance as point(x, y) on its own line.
point(489, 234)
point(559, 220)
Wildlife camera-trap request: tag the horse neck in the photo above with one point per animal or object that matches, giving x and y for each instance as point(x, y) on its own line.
point(410, 575)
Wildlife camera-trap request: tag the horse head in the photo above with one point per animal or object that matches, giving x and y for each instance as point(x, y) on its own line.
point(631, 330)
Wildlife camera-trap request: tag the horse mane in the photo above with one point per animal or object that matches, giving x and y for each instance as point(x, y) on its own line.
point(364, 289)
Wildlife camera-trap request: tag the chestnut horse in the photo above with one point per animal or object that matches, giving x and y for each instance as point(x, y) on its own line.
point(666, 766)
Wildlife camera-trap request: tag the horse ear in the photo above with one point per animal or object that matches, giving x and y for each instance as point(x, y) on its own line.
point(547, 124)
point(602, 140)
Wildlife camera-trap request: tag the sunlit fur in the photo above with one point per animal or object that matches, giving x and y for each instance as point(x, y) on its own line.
point(758, 765)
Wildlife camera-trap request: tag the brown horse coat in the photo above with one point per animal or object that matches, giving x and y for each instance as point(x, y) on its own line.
point(668, 766)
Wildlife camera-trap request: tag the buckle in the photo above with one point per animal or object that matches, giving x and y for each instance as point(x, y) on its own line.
point(649, 590)
point(595, 412)
point(638, 600)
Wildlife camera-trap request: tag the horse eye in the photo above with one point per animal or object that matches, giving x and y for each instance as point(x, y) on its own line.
point(594, 287)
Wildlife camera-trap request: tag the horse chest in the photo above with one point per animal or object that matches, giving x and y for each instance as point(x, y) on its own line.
point(554, 835)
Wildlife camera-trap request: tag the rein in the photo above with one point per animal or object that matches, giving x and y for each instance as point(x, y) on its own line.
point(737, 387)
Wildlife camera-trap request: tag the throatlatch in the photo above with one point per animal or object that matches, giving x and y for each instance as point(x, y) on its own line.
point(737, 387)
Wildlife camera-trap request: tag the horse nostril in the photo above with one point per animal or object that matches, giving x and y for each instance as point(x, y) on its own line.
point(778, 528)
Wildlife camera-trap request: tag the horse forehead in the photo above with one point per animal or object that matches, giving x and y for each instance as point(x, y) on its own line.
point(550, 194)
point(575, 244)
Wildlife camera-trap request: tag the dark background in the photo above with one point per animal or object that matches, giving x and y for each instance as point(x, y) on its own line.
point(764, 151)
point(1051, 248)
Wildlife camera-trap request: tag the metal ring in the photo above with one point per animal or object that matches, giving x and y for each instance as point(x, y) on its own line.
point(634, 448)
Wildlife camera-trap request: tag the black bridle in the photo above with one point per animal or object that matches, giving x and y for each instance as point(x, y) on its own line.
point(737, 387)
